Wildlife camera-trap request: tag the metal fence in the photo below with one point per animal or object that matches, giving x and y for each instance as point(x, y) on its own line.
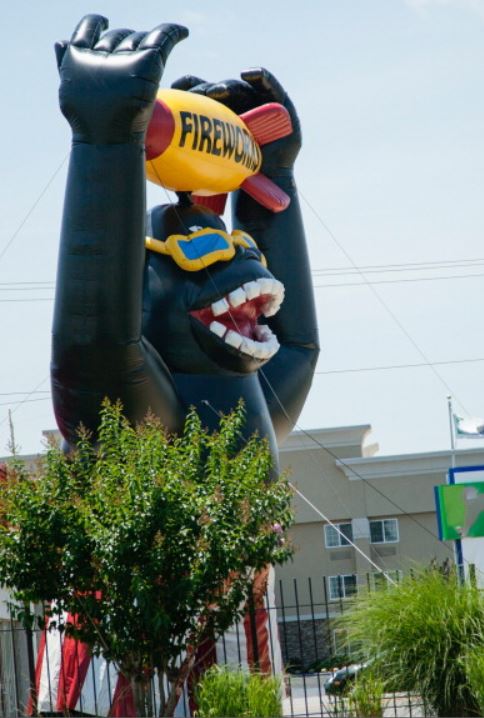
point(304, 614)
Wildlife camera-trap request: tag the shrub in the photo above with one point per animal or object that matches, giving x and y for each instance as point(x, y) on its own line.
point(474, 667)
point(417, 635)
point(366, 696)
point(234, 693)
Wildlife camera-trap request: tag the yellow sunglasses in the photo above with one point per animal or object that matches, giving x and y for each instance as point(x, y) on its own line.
point(204, 247)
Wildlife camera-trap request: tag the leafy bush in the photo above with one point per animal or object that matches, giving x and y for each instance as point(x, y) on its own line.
point(238, 694)
point(151, 541)
point(417, 635)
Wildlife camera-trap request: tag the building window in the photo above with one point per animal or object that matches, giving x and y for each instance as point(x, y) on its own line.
point(385, 531)
point(334, 539)
point(379, 580)
point(343, 586)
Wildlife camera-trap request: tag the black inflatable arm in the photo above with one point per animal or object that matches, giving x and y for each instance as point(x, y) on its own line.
point(286, 379)
point(108, 85)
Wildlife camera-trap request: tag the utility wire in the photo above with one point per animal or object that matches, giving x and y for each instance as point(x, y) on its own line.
point(403, 267)
point(352, 470)
point(396, 281)
point(311, 505)
point(358, 370)
point(34, 205)
point(26, 401)
point(295, 424)
point(234, 320)
point(28, 299)
point(385, 306)
point(335, 526)
point(23, 401)
point(355, 370)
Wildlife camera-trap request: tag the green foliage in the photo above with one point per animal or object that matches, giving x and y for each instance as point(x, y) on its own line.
point(417, 633)
point(474, 668)
point(365, 698)
point(225, 692)
point(152, 541)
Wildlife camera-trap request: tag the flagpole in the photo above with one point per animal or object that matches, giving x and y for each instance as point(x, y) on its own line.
point(451, 427)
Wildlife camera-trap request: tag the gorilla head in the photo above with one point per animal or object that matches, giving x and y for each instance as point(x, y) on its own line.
point(209, 320)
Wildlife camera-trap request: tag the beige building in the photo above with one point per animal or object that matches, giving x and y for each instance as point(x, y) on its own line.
point(383, 504)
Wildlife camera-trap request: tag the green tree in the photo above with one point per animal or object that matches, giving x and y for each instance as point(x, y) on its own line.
point(417, 635)
point(151, 541)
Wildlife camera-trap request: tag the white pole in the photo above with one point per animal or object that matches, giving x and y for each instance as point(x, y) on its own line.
point(451, 427)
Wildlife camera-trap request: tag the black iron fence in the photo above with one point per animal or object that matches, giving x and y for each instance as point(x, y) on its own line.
point(295, 633)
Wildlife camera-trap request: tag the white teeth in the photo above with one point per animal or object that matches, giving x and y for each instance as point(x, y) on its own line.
point(278, 289)
point(218, 329)
point(262, 350)
point(237, 297)
point(274, 304)
point(271, 308)
point(233, 339)
point(248, 346)
point(274, 345)
point(265, 284)
point(252, 290)
point(220, 307)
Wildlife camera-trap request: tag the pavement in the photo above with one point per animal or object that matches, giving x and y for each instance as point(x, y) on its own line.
point(306, 697)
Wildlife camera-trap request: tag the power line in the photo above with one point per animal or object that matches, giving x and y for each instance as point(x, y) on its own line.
point(23, 401)
point(323, 372)
point(357, 370)
point(403, 267)
point(350, 468)
point(385, 306)
point(28, 299)
point(22, 393)
point(33, 206)
point(26, 401)
point(396, 281)
point(12, 284)
point(33, 288)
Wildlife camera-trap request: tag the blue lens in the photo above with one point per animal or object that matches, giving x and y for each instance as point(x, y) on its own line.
point(201, 246)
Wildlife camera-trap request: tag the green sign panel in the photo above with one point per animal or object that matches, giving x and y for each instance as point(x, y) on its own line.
point(460, 510)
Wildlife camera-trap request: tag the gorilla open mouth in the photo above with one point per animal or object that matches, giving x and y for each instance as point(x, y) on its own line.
point(234, 318)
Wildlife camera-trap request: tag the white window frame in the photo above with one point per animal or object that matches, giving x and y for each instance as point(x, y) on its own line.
point(341, 542)
point(382, 521)
point(341, 585)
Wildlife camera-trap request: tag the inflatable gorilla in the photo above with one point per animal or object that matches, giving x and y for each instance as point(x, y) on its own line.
point(130, 323)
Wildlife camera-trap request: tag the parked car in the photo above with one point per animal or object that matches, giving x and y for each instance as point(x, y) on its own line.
point(342, 680)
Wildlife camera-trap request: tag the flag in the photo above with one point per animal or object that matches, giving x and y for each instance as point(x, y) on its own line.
point(470, 428)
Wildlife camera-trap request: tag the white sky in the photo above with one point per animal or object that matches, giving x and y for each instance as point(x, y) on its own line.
point(390, 94)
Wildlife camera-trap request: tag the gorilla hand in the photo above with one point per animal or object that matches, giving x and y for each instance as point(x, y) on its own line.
point(257, 87)
point(109, 81)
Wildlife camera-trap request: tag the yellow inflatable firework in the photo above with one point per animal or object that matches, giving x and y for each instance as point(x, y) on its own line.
point(195, 144)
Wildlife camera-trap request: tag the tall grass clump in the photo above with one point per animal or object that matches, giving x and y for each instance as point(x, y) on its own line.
point(417, 634)
point(365, 698)
point(223, 691)
point(474, 666)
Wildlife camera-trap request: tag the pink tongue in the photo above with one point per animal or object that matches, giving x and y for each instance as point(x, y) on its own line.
point(241, 319)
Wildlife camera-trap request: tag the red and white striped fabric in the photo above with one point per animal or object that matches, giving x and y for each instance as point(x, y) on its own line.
point(69, 678)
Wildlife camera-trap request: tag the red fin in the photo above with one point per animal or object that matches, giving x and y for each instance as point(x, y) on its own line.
point(215, 202)
point(268, 122)
point(266, 192)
